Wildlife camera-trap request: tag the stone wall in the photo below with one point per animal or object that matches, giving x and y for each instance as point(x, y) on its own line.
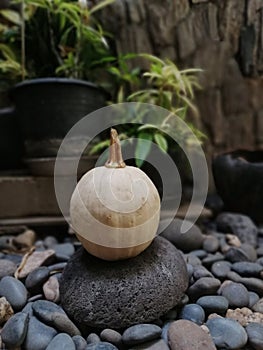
point(225, 38)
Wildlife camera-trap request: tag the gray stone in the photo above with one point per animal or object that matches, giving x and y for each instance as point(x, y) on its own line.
point(210, 244)
point(7, 268)
point(194, 313)
point(213, 304)
point(227, 333)
point(203, 286)
point(255, 335)
point(36, 278)
point(53, 315)
point(64, 249)
point(111, 336)
point(200, 253)
point(240, 225)
point(212, 258)
point(188, 241)
point(101, 346)
point(14, 291)
point(201, 271)
point(253, 284)
point(80, 342)
point(247, 269)
point(184, 334)
point(153, 345)
point(147, 287)
point(14, 331)
point(140, 333)
point(230, 290)
point(253, 299)
point(258, 306)
point(220, 269)
point(93, 338)
point(61, 341)
point(235, 254)
point(38, 335)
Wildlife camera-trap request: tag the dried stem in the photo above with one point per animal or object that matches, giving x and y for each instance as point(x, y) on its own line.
point(115, 158)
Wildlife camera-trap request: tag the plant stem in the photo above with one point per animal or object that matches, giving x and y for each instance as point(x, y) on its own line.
point(23, 39)
point(115, 158)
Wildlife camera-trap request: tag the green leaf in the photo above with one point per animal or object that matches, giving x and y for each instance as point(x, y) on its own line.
point(161, 142)
point(11, 16)
point(142, 148)
point(101, 5)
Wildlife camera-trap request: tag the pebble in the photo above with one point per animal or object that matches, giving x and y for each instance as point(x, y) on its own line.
point(24, 241)
point(236, 294)
point(35, 297)
point(258, 306)
point(57, 267)
point(220, 269)
point(6, 310)
point(50, 241)
point(240, 225)
point(253, 284)
point(33, 339)
point(28, 309)
point(247, 269)
point(14, 331)
point(188, 241)
point(101, 346)
point(6, 243)
point(111, 336)
point(36, 279)
point(44, 310)
point(227, 333)
point(93, 338)
point(253, 298)
point(66, 249)
point(210, 244)
point(141, 333)
point(255, 335)
point(186, 335)
point(51, 289)
point(61, 341)
point(192, 260)
point(244, 316)
point(153, 345)
point(203, 286)
point(194, 313)
point(190, 270)
point(35, 260)
point(200, 253)
point(15, 258)
point(80, 342)
point(64, 324)
point(212, 258)
point(213, 303)
point(14, 291)
point(54, 316)
point(236, 255)
point(7, 268)
point(201, 271)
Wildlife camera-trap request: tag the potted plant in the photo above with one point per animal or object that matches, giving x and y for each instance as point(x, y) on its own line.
point(59, 52)
point(164, 85)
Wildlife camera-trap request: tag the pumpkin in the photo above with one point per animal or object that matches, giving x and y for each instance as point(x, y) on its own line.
point(115, 209)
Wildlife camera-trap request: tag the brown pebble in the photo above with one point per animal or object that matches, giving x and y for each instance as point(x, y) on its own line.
point(184, 334)
point(6, 310)
point(51, 289)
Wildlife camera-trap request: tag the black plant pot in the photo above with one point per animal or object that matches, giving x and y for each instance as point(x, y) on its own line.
point(11, 145)
point(48, 108)
point(238, 178)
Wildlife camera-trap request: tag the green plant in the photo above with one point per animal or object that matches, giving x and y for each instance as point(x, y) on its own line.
point(58, 38)
point(165, 85)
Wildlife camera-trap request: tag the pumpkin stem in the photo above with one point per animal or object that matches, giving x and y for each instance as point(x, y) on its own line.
point(115, 158)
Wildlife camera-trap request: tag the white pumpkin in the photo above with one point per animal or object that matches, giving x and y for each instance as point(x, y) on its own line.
point(115, 209)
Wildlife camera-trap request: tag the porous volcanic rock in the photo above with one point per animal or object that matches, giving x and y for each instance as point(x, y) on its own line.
point(98, 294)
